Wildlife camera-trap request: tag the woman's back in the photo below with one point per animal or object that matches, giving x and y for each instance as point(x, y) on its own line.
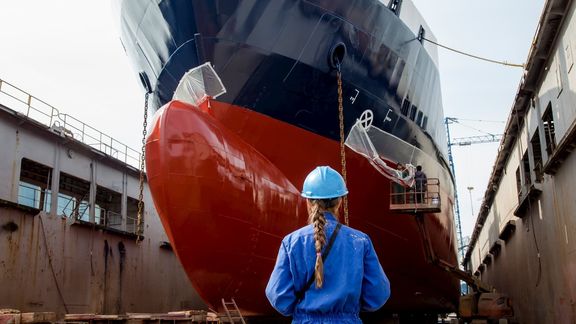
point(353, 277)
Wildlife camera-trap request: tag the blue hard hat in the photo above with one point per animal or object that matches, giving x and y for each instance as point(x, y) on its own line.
point(324, 183)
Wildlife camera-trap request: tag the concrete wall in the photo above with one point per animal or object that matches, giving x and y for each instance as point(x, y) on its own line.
point(537, 264)
point(50, 263)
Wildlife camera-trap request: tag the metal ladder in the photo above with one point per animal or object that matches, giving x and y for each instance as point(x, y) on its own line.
point(233, 313)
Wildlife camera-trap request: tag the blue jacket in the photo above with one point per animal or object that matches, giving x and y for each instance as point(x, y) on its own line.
point(353, 277)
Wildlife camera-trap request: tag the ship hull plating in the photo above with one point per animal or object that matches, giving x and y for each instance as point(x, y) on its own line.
point(226, 207)
point(225, 178)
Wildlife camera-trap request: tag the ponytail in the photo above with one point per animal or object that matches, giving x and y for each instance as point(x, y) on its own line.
point(316, 210)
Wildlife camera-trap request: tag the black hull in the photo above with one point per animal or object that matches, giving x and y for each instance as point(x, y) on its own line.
point(273, 58)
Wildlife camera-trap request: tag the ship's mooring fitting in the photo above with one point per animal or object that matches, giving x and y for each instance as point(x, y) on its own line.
point(336, 55)
point(145, 81)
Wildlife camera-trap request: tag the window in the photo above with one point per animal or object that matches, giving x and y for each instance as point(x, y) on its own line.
point(526, 180)
point(35, 181)
point(73, 197)
point(425, 122)
point(518, 182)
point(405, 106)
point(523, 181)
point(419, 118)
point(108, 208)
point(132, 215)
point(549, 135)
point(413, 111)
point(395, 5)
point(537, 152)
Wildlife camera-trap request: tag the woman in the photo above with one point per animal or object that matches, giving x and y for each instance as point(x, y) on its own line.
point(350, 279)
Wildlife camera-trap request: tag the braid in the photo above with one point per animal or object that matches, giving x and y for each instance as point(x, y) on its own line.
point(319, 222)
point(317, 208)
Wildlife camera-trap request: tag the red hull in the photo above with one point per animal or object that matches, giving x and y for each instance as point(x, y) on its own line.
point(226, 180)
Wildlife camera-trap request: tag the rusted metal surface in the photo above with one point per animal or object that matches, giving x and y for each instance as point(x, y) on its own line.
point(50, 262)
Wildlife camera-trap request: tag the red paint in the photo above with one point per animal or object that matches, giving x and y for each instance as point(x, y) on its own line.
point(226, 183)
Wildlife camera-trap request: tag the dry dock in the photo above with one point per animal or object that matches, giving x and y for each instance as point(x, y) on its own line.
point(524, 243)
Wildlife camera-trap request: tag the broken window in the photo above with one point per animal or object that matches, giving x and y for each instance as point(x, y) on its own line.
point(35, 181)
point(549, 135)
point(108, 208)
point(73, 197)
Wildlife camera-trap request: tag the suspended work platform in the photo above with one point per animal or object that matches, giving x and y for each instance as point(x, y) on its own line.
point(423, 197)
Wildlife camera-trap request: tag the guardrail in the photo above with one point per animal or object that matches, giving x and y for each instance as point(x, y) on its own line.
point(420, 198)
point(42, 112)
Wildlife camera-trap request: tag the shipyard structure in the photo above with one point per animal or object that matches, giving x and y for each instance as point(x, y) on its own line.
point(70, 237)
point(523, 243)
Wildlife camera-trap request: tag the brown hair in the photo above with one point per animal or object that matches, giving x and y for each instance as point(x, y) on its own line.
point(316, 210)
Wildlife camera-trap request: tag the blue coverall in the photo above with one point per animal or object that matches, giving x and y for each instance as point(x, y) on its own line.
point(353, 277)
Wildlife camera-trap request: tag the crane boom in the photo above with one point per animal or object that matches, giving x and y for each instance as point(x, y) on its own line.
point(463, 141)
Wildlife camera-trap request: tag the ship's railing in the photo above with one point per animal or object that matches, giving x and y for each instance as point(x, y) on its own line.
point(422, 197)
point(64, 124)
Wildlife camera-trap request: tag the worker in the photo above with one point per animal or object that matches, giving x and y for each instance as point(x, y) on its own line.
point(421, 183)
point(339, 260)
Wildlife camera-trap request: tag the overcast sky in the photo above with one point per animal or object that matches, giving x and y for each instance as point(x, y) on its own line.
point(68, 53)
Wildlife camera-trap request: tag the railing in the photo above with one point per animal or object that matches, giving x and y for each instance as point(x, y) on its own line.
point(64, 124)
point(30, 195)
point(131, 224)
point(419, 198)
point(114, 220)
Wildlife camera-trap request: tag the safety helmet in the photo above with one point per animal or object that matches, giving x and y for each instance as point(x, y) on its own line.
point(324, 183)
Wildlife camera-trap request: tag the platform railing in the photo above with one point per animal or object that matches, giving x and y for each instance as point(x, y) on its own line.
point(419, 198)
point(64, 124)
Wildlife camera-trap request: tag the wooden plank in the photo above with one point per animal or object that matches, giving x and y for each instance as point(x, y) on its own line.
point(188, 316)
point(9, 318)
point(38, 317)
point(78, 317)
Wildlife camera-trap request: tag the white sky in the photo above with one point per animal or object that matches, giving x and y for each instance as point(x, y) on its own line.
point(68, 53)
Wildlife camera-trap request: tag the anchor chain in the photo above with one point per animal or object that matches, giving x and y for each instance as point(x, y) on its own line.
point(139, 229)
point(342, 146)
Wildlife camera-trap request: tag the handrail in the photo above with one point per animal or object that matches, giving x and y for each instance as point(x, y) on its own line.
point(66, 125)
point(424, 197)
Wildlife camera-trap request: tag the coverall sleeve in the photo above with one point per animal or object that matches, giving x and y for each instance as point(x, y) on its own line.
point(375, 285)
point(280, 289)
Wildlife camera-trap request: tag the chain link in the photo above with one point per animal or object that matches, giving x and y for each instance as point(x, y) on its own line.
point(342, 146)
point(139, 229)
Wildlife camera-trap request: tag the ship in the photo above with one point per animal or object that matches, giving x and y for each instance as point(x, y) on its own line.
point(225, 172)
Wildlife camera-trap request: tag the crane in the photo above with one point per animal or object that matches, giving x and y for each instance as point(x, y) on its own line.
point(463, 141)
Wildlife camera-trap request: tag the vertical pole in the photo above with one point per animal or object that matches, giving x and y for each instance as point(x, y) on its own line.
point(471, 203)
point(447, 122)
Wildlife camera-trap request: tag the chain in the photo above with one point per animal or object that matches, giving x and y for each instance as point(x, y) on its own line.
point(139, 229)
point(342, 146)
